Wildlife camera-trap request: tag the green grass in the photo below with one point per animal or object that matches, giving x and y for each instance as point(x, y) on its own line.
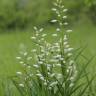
point(84, 33)
point(9, 49)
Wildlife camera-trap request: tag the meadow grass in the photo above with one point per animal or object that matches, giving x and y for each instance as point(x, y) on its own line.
point(10, 43)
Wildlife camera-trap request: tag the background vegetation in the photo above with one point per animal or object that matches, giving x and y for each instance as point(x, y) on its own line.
point(22, 13)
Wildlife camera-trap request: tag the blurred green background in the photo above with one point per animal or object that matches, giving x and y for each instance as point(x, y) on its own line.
point(17, 18)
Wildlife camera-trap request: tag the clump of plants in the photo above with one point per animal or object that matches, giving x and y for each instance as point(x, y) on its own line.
point(51, 68)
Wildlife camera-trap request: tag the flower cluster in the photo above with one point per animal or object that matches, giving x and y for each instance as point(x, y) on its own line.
point(53, 63)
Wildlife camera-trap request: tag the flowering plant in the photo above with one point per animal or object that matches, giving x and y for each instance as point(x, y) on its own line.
point(52, 68)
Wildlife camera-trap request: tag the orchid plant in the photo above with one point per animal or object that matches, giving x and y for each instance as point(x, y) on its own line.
point(51, 70)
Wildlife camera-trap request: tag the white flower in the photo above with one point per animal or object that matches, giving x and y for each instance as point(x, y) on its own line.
point(54, 35)
point(58, 56)
point(65, 37)
point(70, 67)
point(49, 73)
point(59, 65)
point(64, 61)
point(45, 83)
point(50, 88)
point(66, 23)
point(64, 17)
point(69, 54)
point(43, 35)
point(65, 10)
point(30, 75)
point(59, 15)
point(29, 67)
point(36, 66)
point(40, 62)
point(71, 78)
point(58, 50)
point(21, 85)
point(67, 46)
point(18, 58)
point(61, 59)
point(71, 85)
point(65, 43)
point(58, 29)
point(19, 73)
point(37, 34)
point(33, 38)
point(57, 12)
point(55, 4)
point(65, 50)
point(68, 31)
point(34, 50)
point(35, 28)
point(59, 76)
point(41, 29)
point(54, 9)
point(40, 56)
point(62, 6)
point(29, 58)
point(52, 75)
point(21, 62)
point(25, 53)
point(39, 40)
point(56, 44)
point(49, 65)
point(67, 70)
point(40, 75)
point(70, 49)
point(48, 68)
point(42, 78)
point(53, 21)
point(42, 39)
point(53, 83)
point(61, 24)
point(54, 60)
